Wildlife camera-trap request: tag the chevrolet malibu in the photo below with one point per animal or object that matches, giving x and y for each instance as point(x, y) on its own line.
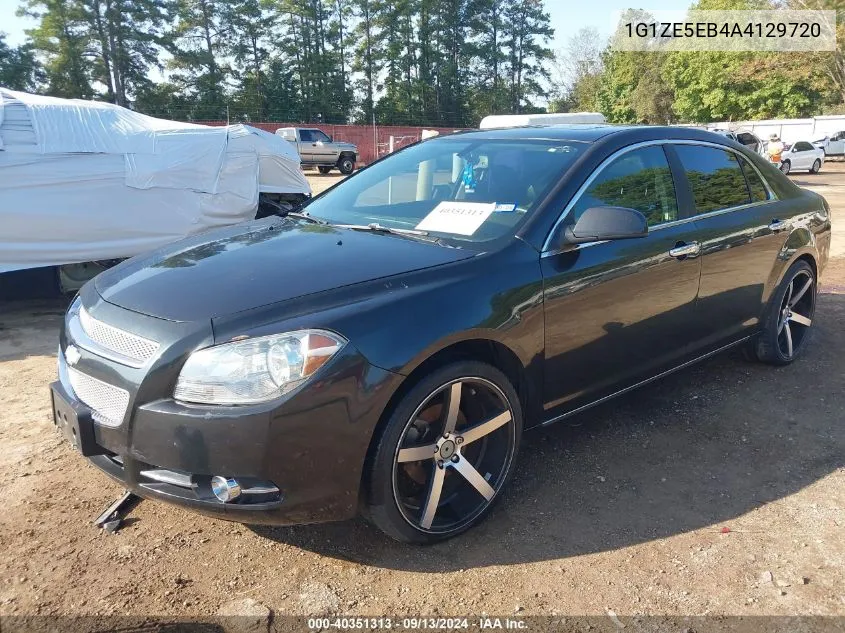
point(382, 349)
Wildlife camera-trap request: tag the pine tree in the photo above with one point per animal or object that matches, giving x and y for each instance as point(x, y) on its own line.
point(19, 69)
point(252, 29)
point(196, 42)
point(123, 36)
point(62, 37)
point(527, 33)
point(367, 54)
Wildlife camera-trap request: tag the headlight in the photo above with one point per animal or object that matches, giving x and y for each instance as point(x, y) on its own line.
point(255, 370)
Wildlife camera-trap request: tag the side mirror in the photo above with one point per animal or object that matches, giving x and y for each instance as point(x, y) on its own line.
point(597, 224)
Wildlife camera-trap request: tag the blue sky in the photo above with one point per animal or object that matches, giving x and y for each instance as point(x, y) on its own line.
point(567, 17)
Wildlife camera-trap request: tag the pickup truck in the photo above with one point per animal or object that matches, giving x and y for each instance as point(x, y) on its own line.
point(317, 149)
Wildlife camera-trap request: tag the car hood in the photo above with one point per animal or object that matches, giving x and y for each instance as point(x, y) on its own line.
point(258, 263)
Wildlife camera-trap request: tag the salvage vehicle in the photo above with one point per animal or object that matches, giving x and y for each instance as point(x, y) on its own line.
point(833, 145)
point(383, 348)
point(801, 156)
point(65, 162)
point(318, 149)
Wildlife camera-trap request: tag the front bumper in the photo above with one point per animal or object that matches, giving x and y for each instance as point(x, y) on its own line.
point(298, 459)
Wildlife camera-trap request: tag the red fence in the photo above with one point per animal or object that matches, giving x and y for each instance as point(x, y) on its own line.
point(372, 141)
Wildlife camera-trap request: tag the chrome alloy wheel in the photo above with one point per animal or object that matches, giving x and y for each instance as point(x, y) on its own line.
point(796, 313)
point(454, 455)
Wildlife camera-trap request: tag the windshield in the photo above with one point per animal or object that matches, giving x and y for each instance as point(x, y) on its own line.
point(462, 189)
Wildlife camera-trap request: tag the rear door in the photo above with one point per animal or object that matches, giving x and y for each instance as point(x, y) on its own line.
point(740, 236)
point(618, 311)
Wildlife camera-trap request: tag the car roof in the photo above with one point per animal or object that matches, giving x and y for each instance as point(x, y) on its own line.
point(588, 133)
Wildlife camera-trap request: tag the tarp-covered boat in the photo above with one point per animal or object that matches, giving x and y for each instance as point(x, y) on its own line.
point(82, 181)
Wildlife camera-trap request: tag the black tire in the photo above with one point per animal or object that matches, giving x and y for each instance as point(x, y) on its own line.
point(346, 165)
point(399, 490)
point(324, 169)
point(817, 165)
point(782, 330)
point(785, 166)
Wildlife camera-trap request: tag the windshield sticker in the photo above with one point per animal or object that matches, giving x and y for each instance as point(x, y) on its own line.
point(505, 208)
point(468, 178)
point(459, 218)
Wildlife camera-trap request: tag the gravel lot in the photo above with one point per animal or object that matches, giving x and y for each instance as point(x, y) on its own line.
point(719, 491)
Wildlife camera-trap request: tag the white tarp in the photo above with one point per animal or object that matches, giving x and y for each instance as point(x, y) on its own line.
point(84, 181)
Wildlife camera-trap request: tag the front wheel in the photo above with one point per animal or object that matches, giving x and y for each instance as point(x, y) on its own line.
point(446, 452)
point(346, 165)
point(785, 166)
point(786, 326)
point(817, 165)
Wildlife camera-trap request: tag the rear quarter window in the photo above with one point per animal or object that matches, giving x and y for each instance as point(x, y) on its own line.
point(715, 177)
point(756, 186)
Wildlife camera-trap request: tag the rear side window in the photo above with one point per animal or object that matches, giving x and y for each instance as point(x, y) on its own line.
point(755, 183)
point(803, 146)
point(639, 179)
point(715, 177)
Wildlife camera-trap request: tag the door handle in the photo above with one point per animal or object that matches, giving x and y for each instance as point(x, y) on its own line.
point(683, 250)
point(777, 225)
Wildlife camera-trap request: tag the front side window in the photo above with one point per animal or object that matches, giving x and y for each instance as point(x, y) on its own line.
point(640, 180)
point(803, 146)
point(306, 136)
point(321, 136)
point(501, 181)
point(715, 177)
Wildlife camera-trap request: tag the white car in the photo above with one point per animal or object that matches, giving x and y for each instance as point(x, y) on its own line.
point(801, 156)
point(832, 145)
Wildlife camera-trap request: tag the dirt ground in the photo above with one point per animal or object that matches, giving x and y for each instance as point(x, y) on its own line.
point(718, 491)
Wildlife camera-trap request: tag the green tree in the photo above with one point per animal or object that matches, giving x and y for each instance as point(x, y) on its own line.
point(196, 42)
point(62, 37)
point(367, 57)
point(489, 92)
point(577, 74)
point(527, 32)
point(252, 28)
point(19, 69)
point(122, 38)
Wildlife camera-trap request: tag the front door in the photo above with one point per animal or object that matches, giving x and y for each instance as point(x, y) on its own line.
point(620, 311)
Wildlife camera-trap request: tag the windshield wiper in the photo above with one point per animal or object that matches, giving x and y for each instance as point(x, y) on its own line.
point(378, 228)
point(304, 216)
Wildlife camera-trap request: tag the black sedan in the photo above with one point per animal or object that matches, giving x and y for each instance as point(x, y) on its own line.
point(382, 350)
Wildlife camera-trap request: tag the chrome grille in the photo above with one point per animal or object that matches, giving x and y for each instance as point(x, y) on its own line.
point(131, 346)
point(107, 402)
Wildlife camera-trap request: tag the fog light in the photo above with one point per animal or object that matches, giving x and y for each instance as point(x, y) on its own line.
point(224, 489)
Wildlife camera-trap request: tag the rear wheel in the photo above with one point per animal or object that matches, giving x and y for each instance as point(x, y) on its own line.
point(785, 166)
point(787, 325)
point(445, 454)
point(323, 169)
point(817, 165)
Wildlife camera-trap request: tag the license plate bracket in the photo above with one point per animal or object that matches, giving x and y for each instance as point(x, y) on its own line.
point(74, 421)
